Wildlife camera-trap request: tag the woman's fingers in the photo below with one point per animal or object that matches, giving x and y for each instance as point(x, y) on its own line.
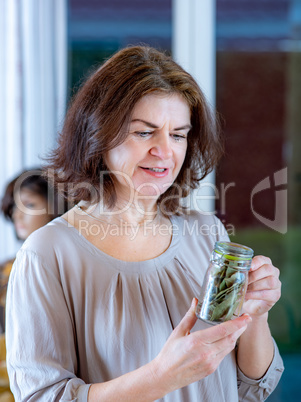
point(213, 344)
point(268, 282)
point(267, 289)
point(264, 283)
point(187, 357)
point(264, 271)
point(226, 329)
point(211, 334)
point(187, 321)
point(258, 261)
point(226, 345)
point(268, 297)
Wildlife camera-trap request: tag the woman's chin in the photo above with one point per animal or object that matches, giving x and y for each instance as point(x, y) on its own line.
point(22, 234)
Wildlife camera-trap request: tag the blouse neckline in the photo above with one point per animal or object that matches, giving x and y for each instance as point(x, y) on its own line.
point(152, 264)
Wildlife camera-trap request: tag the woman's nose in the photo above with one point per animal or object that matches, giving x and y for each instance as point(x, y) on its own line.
point(162, 147)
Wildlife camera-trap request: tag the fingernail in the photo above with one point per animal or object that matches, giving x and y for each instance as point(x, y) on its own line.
point(247, 317)
point(194, 302)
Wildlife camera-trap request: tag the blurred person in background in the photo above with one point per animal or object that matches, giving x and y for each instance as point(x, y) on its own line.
point(28, 203)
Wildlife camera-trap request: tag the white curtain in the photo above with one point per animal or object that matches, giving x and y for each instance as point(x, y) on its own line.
point(33, 85)
point(194, 48)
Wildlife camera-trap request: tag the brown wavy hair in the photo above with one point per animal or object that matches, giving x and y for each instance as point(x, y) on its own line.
point(100, 112)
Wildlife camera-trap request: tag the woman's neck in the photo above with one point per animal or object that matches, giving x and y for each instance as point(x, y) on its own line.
point(123, 212)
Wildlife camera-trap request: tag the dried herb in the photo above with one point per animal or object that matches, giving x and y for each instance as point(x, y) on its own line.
point(226, 286)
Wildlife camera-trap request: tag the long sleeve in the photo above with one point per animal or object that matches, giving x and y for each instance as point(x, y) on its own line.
point(250, 390)
point(41, 352)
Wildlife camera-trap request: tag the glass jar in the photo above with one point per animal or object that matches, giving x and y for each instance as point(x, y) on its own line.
point(225, 283)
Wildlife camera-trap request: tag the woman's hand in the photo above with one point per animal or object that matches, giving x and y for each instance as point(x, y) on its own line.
point(185, 358)
point(188, 357)
point(264, 288)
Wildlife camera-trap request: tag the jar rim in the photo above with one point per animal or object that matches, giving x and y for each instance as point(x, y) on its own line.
point(233, 251)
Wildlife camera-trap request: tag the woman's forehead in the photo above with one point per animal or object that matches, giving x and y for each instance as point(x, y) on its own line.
point(27, 192)
point(158, 103)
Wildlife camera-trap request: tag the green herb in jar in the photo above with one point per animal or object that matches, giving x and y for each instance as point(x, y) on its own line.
point(225, 298)
point(225, 283)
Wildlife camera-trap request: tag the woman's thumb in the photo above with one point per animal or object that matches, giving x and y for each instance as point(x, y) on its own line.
point(188, 320)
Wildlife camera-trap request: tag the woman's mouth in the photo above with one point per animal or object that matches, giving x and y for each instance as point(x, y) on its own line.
point(159, 170)
point(156, 171)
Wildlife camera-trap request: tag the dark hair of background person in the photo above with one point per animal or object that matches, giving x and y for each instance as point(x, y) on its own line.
point(100, 113)
point(34, 181)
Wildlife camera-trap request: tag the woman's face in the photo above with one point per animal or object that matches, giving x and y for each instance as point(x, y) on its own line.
point(24, 221)
point(153, 153)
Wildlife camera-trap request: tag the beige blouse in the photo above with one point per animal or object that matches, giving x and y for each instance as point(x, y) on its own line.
point(77, 316)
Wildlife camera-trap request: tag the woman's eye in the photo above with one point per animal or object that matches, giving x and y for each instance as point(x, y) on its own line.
point(143, 134)
point(30, 205)
point(178, 137)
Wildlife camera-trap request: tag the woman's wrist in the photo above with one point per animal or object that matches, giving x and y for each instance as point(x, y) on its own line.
point(145, 384)
point(159, 378)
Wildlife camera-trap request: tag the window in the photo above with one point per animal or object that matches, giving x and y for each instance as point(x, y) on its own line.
point(258, 96)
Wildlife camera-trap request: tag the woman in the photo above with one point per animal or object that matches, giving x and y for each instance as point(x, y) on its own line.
point(27, 192)
point(105, 289)
point(29, 204)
